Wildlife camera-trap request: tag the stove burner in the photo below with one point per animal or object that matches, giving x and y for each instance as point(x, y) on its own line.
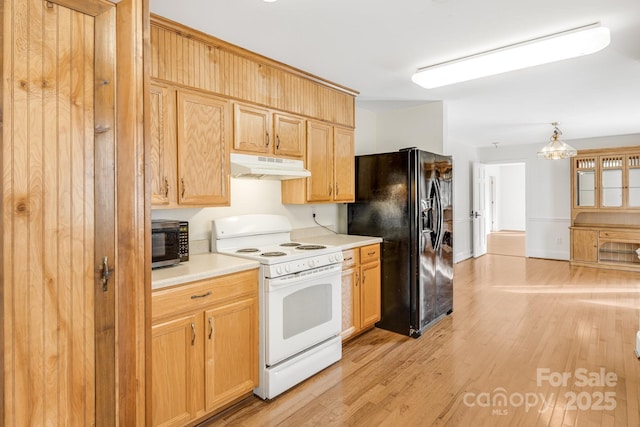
point(290, 244)
point(247, 250)
point(273, 253)
point(310, 247)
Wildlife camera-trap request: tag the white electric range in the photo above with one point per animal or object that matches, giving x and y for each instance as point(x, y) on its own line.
point(299, 298)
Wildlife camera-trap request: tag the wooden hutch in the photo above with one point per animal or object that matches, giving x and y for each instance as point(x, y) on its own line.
point(605, 208)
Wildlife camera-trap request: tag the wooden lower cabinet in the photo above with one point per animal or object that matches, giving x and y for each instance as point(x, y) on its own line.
point(606, 247)
point(174, 359)
point(360, 289)
point(584, 245)
point(204, 347)
point(231, 367)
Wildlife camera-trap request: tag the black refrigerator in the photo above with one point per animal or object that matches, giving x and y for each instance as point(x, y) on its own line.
point(406, 198)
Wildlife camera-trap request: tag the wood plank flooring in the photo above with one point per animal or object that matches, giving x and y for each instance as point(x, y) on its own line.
point(506, 243)
point(519, 324)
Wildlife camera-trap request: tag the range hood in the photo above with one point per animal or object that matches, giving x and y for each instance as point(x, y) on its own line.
point(262, 167)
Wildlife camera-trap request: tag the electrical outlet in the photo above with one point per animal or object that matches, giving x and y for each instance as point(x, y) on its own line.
point(313, 211)
point(558, 240)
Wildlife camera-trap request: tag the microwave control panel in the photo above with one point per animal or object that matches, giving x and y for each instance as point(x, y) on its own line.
point(183, 241)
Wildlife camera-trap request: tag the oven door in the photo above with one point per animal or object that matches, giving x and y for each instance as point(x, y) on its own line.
point(302, 310)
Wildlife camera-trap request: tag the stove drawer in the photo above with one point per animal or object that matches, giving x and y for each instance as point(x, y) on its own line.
point(350, 257)
point(202, 293)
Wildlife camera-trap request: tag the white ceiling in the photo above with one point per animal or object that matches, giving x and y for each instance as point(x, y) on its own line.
point(374, 46)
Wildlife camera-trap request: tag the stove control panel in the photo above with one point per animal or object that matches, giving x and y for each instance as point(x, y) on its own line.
point(298, 265)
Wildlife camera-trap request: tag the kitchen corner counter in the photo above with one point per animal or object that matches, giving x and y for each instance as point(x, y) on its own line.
point(345, 241)
point(199, 266)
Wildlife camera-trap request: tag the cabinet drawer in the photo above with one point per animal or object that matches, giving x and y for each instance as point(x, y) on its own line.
point(202, 293)
point(369, 253)
point(620, 235)
point(351, 257)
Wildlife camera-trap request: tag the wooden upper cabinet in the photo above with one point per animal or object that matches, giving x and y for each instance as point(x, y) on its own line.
point(330, 159)
point(261, 131)
point(344, 165)
point(204, 131)
point(319, 162)
point(252, 127)
point(606, 180)
point(190, 133)
point(163, 150)
point(290, 135)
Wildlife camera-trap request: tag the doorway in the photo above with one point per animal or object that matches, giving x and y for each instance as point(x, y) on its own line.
point(500, 220)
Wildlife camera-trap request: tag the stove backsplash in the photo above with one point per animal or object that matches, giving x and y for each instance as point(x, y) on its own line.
point(255, 197)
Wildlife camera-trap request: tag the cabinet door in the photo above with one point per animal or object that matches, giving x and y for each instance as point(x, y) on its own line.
point(289, 135)
point(319, 162)
point(163, 156)
point(370, 293)
point(343, 165)
point(633, 181)
point(231, 352)
point(203, 154)
point(350, 302)
point(611, 181)
point(175, 348)
point(251, 129)
point(584, 245)
point(584, 182)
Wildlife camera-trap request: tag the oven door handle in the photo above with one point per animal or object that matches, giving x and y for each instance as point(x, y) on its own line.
point(297, 279)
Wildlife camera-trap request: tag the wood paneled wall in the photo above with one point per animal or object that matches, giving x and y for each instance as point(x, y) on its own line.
point(191, 58)
point(48, 216)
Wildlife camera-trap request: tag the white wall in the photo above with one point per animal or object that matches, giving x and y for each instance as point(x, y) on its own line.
point(510, 196)
point(463, 157)
point(548, 192)
point(420, 126)
point(251, 196)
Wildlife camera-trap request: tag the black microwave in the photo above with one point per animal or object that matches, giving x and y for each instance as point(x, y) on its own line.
point(169, 242)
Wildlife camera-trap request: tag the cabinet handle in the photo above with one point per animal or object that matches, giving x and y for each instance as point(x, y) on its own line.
point(330, 189)
point(337, 189)
point(166, 187)
point(210, 327)
point(357, 278)
point(201, 296)
point(193, 333)
point(183, 187)
point(348, 259)
point(371, 253)
point(267, 138)
point(277, 142)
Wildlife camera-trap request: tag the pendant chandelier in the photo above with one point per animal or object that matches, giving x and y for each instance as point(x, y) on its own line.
point(556, 149)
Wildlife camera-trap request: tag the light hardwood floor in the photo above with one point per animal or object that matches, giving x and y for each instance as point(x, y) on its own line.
point(512, 317)
point(506, 243)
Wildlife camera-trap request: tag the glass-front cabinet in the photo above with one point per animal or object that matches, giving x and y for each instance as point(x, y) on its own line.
point(606, 181)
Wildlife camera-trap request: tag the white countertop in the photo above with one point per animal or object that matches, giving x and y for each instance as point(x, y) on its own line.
point(345, 241)
point(199, 266)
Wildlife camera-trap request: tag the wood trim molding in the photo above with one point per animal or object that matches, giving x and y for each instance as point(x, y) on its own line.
point(89, 7)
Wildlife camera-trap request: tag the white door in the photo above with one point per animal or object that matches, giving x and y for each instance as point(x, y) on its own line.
point(478, 212)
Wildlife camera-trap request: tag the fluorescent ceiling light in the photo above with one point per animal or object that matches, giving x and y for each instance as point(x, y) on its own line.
point(555, 47)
